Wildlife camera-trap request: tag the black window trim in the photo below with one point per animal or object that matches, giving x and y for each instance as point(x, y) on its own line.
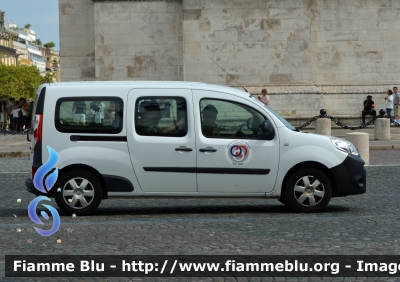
point(232, 102)
point(86, 129)
point(158, 98)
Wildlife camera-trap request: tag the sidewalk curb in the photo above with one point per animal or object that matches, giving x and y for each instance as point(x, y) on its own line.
point(12, 154)
point(384, 147)
point(380, 147)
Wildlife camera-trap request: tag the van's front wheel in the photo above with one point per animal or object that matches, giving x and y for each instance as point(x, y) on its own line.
point(308, 190)
point(78, 192)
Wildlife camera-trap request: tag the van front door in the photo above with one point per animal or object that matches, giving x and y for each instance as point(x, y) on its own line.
point(161, 139)
point(231, 157)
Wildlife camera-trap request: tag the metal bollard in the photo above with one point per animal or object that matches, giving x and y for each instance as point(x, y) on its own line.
point(361, 141)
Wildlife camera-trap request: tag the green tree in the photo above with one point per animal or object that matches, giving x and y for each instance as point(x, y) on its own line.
point(27, 26)
point(48, 77)
point(49, 45)
point(38, 42)
point(19, 81)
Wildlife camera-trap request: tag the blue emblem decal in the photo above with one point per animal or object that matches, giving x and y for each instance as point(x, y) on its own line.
point(49, 183)
point(44, 169)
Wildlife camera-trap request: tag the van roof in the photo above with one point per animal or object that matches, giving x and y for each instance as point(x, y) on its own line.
point(155, 84)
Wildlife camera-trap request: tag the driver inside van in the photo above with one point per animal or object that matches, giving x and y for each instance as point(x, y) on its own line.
point(208, 124)
point(148, 118)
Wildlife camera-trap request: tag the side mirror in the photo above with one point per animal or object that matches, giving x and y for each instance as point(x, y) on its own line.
point(268, 130)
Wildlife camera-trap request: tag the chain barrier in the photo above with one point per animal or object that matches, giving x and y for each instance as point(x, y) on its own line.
point(337, 122)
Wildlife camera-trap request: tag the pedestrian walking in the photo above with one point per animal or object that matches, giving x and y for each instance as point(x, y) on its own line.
point(389, 104)
point(264, 98)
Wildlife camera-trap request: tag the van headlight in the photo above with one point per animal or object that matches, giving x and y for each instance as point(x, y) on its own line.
point(344, 145)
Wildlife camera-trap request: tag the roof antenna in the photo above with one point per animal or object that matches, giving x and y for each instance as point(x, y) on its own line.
point(229, 75)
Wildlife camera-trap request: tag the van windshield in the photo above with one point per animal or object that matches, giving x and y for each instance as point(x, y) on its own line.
point(284, 121)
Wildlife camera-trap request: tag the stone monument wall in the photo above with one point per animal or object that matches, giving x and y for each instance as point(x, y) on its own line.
point(77, 49)
point(138, 40)
point(309, 54)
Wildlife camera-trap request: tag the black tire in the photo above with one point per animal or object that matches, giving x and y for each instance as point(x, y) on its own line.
point(78, 200)
point(282, 200)
point(306, 197)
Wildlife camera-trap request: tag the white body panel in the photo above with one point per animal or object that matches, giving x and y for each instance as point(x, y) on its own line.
point(108, 158)
point(304, 147)
point(264, 155)
point(157, 151)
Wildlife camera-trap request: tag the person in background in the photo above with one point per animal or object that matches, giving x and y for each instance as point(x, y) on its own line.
point(368, 108)
point(209, 126)
point(79, 110)
point(16, 112)
point(10, 107)
point(111, 112)
point(396, 101)
point(3, 113)
point(25, 114)
point(97, 110)
point(264, 98)
point(389, 104)
point(150, 115)
point(396, 119)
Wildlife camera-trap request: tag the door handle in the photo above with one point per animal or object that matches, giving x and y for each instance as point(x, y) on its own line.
point(75, 138)
point(183, 148)
point(208, 149)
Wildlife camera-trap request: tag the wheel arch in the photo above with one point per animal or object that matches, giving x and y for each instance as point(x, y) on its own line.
point(87, 168)
point(310, 164)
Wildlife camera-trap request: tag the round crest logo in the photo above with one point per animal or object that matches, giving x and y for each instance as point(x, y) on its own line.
point(238, 152)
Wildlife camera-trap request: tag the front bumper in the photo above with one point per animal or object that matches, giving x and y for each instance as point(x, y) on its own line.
point(31, 188)
point(350, 177)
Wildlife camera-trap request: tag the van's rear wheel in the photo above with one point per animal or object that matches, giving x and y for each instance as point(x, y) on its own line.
point(308, 190)
point(78, 192)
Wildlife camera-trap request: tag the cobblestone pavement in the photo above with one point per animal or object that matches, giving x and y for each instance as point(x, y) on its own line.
point(365, 224)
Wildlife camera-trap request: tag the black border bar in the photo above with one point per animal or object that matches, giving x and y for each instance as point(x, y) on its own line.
point(177, 266)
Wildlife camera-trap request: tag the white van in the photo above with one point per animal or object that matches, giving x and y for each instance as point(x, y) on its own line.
point(182, 139)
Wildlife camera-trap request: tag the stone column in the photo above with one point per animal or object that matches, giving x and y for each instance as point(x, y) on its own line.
point(382, 129)
point(77, 44)
point(361, 141)
point(323, 126)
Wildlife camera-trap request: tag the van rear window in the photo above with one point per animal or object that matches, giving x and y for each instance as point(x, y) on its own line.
point(89, 115)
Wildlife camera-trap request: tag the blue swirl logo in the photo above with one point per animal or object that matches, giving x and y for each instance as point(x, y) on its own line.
point(49, 181)
point(44, 169)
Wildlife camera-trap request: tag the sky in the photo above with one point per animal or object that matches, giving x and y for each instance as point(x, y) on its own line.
point(41, 14)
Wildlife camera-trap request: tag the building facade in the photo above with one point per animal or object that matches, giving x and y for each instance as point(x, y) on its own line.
point(28, 53)
point(309, 54)
point(52, 59)
point(7, 52)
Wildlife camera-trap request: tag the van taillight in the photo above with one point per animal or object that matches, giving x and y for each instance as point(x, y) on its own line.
point(34, 169)
point(37, 130)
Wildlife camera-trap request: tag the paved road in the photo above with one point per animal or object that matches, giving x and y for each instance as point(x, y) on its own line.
point(359, 225)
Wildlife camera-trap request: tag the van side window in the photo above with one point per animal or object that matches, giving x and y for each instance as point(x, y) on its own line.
point(161, 116)
point(89, 115)
point(227, 119)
